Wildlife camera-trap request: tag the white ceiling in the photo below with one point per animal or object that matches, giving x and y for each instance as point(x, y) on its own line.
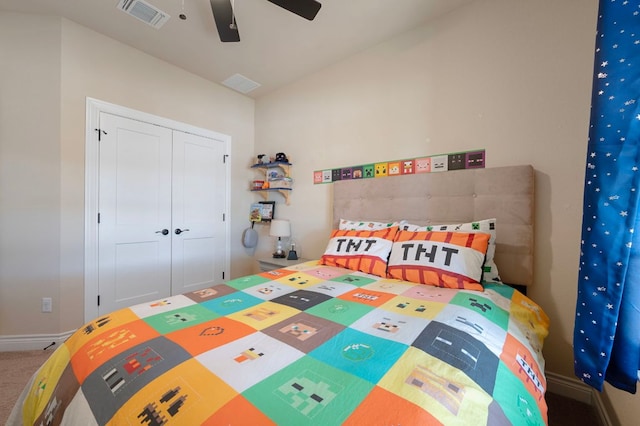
point(276, 47)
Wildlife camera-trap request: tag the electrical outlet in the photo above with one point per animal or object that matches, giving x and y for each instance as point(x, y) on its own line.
point(47, 304)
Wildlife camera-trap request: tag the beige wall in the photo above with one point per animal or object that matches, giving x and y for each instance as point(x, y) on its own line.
point(513, 77)
point(510, 76)
point(29, 171)
point(53, 66)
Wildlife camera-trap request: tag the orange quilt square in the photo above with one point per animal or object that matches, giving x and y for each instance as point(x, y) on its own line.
point(519, 360)
point(367, 297)
point(384, 407)
point(109, 344)
point(208, 335)
point(238, 412)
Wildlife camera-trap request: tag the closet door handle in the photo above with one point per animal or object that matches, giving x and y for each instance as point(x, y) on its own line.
point(163, 232)
point(179, 231)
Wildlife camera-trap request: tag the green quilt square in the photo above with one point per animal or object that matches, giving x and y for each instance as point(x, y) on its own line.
point(246, 282)
point(520, 407)
point(484, 306)
point(308, 392)
point(180, 318)
point(354, 279)
point(340, 311)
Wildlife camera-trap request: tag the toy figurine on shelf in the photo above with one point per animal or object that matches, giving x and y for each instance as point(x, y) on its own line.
point(260, 159)
point(281, 157)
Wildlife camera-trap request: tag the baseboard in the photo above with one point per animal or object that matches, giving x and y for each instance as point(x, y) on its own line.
point(31, 342)
point(575, 389)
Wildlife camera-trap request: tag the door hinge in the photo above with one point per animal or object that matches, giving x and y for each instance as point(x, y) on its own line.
point(224, 158)
point(100, 133)
point(98, 217)
point(98, 300)
point(224, 217)
point(223, 275)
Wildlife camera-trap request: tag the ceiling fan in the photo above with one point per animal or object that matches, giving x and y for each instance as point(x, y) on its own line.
point(226, 19)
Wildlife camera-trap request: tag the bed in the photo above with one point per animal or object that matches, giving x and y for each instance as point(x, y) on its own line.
point(357, 337)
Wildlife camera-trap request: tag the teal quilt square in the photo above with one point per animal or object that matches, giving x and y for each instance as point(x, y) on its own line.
point(360, 354)
point(502, 289)
point(232, 303)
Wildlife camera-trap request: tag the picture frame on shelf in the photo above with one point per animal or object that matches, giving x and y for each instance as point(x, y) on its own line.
point(268, 210)
point(255, 212)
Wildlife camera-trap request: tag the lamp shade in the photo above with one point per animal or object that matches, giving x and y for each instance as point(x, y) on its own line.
point(280, 228)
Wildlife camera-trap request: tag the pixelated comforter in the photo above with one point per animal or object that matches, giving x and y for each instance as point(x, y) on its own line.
point(309, 345)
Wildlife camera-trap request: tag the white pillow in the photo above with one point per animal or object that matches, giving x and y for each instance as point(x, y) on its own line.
point(486, 226)
point(365, 225)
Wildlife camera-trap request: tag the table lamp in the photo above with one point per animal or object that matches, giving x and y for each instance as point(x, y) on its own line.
point(279, 228)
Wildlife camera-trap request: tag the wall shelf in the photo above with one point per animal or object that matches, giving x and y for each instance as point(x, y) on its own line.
point(275, 174)
point(286, 167)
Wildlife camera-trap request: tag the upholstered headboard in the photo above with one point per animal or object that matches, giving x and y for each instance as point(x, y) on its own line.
point(504, 193)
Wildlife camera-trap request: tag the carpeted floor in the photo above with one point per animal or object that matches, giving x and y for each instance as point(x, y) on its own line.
point(565, 411)
point(17, 368)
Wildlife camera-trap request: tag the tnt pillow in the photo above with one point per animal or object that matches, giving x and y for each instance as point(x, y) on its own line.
point(486, 226)
point(365, 251)
point(365, 225)
point(441, 259)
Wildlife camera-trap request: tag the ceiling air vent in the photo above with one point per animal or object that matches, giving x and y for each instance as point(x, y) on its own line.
point(145, 12)
point(240, 83)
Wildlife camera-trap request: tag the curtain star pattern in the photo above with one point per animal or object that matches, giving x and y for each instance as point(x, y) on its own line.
point(607, 326)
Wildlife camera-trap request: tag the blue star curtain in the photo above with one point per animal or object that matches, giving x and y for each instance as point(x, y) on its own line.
point(607, 327)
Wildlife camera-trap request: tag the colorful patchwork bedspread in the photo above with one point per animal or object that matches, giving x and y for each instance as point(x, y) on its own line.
point(307, 345)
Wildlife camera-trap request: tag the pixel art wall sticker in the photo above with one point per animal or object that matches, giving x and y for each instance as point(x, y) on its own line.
point(439, 163)
point(381, 169)
point(394, 168)
point(475, 160)
point(368, 171)
point(456, 161)
point(407, 167)
point(430, 164)
point(423, 165)
point(347, 173)
point(318, 177)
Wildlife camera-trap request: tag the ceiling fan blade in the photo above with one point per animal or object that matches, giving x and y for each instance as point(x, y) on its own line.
point(306, 8)
point(225, 21)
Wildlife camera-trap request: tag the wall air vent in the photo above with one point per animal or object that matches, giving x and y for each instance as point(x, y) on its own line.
point(144, 12)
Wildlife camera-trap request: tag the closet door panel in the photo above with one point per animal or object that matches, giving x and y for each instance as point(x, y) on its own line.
point(198, 247)
point(135, 208)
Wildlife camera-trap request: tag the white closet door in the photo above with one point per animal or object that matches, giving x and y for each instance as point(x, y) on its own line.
point(198, 234)
point(135, 210)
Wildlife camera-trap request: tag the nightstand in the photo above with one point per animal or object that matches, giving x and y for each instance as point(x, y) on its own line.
point(271, 263)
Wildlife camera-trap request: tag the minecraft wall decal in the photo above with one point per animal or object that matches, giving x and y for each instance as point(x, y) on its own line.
point(427, 164)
